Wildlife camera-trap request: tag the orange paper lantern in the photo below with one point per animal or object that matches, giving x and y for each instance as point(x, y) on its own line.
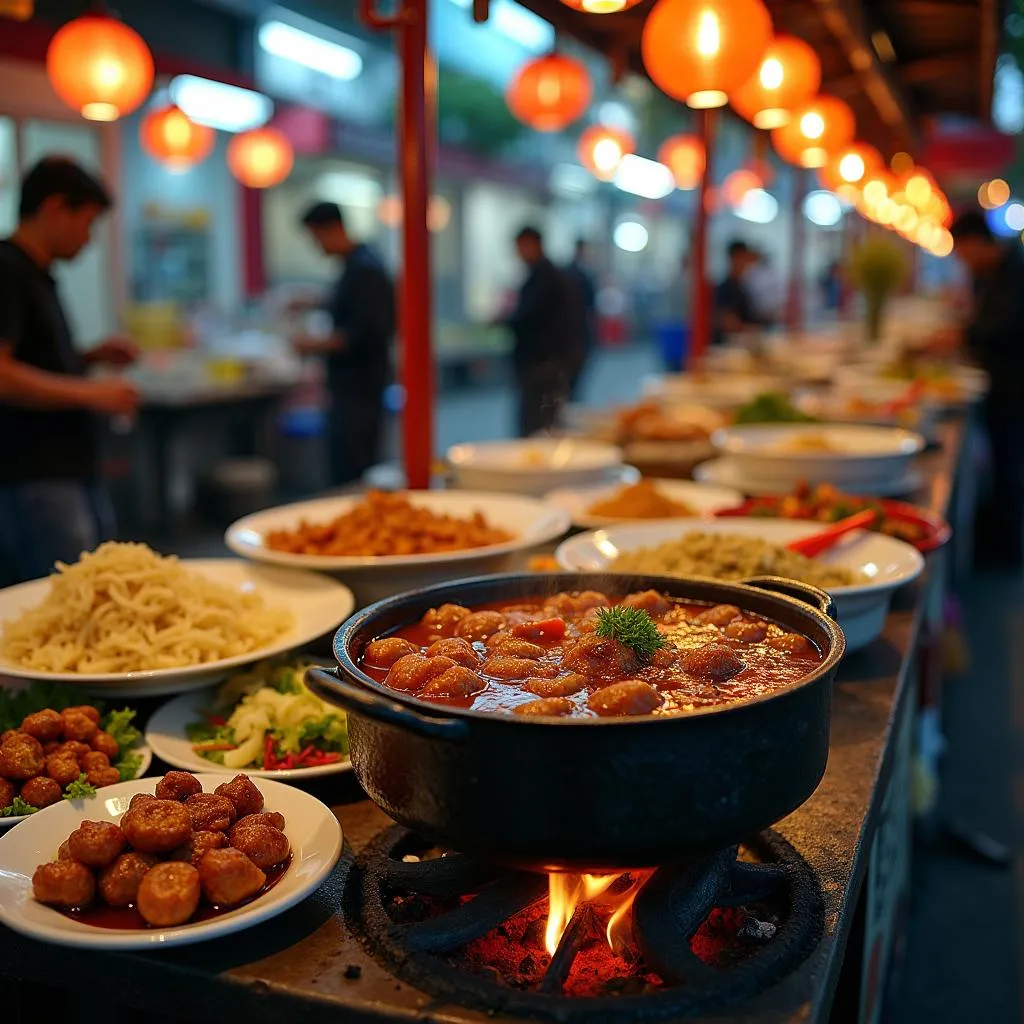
point(601, 150)
point(601, 6)
point(702, 51)
point(816, 130)
point(850, 166)
point(99, 67)
point(684, 156)
point(260, 158)
point(549, 93)
point(789, 75)
point(169, 137)
point(738, 183)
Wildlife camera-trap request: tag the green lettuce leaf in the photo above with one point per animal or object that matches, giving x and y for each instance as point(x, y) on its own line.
point(80, 789)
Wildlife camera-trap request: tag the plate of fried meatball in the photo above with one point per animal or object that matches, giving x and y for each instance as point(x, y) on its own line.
point(187, 859)
point(50, 750)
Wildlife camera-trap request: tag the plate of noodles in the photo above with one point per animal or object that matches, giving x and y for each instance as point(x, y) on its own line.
point(126, 620)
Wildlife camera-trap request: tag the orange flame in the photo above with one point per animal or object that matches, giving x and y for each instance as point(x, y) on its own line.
point(566, 892)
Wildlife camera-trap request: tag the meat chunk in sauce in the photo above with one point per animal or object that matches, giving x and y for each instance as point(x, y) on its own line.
point(790, 643)
point(720, 615)
point(480, 625)
point(383, 653)
point(414, 671)
point(712, 661)
point(443, 620)
point(593, 655)
point(457, 648)
point(540, 630)
point(64, 883)
point(630, 697)
point(514, 647)
point(501, 666)
point(563, 686)
point(650, 601)
point(458, 681)
point(747, 631)
point(555, 707)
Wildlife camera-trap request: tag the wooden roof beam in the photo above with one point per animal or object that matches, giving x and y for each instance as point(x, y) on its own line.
point(927, 69)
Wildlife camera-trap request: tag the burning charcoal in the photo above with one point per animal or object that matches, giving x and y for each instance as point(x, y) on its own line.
point(758, 931)
point(631, 986)
point(353, 972)
point(528, 965)
point(535, 932)
point(410, 909)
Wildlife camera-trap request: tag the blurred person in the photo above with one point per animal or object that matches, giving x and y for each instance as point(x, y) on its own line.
point(52, 505)
point(992, 336)
point(831, 285)
point(735, 310)
point(581, 277)
point(358, 349)
point(545, 326)
point(765, 288)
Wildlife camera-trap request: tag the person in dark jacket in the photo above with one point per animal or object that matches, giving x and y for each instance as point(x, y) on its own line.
point(546, 331)
point(735, 309)
point(582, 279)
point(358, 350)
point(993, 336)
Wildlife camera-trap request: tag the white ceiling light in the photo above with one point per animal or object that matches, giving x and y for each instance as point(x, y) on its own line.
point(757, 206)
point(310, 51)
point(1014, 216)
point(522, 26)
point(823, 208)
point(630, 236)
point(642, 177)
point(219, 105)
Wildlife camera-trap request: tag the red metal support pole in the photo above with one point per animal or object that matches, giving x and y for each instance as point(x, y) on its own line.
point(795, 297)
point(700, 304)
point(415, 146)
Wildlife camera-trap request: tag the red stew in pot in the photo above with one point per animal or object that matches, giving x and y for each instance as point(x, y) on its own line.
point(549, 657)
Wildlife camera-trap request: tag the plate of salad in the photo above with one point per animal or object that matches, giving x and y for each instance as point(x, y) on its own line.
point(262, 721)
point(54, 747)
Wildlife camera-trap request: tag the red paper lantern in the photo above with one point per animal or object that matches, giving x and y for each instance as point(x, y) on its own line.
point(816, 130)
point(684, 156)
point(549, 93)
point(601, 6)
point(601, 150)
point(702, 51)
point(789, 75)
point(168, 136)
point(260, 158)
point(100, 67)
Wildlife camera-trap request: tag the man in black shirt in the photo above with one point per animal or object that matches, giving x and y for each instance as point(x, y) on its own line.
point(546, 326)
point(582, 279)
point(358, 349)
point(994, 336)
point(734, 307)
point(49, 492)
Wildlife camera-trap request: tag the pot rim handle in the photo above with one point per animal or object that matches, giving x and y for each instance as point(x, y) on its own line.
point(366, 702)
point(803, 592)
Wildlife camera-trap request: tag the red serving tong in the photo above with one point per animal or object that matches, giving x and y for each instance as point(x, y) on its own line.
point(821, 541)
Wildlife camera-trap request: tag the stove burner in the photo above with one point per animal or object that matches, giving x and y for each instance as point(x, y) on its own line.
point(420, 915)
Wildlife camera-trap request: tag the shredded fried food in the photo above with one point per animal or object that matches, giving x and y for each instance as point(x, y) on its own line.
point(387, 524)
point(641, 500)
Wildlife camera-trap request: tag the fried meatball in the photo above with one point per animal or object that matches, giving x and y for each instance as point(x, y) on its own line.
point(457, 648)
point(64, 883)
point(96, 843)
point(720, 615)
point(76, 749)
point(275, 819)
point(790, 643)
point(41, 791)
point(712, 661)
point(649, 601)
point(119, 882)
point(480, 625)
point(21, 757)
point(442, 621)
point(63, 768)
point(8, 791)
point(458, 681)
point(514, 646)
point(243, 793)
point(140, 798)
point(191, 852)
point(104, 743)
point(7, 734)
point(413, 672)
point(51, 747)
point(178, 786)
point(565, 686)
point(264, 845)
point(595, 656)
point(64, 851)
point(94, 759)
point(549, 706)
point(210, 812)
point(77, 726)
point(169, 894)
point(503, 666)
point(748, 632)
point(100, 777)
point(85, 709)
point(630, 697)
point(228, 877)
point(157, 826)
point(383, 653)
point(44, 725)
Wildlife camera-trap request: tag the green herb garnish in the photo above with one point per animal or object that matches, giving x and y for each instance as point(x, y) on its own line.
point(632, 627)
point(80, 789)
point(119, 725)
point(17, 808)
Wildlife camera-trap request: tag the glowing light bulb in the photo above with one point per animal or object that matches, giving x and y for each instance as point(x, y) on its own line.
point(607, 155)
point(812, 124)
point(709, 34)
point(851, 167)
point(772, 73)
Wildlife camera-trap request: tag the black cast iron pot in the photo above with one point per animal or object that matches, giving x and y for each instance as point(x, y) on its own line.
point(587, 793)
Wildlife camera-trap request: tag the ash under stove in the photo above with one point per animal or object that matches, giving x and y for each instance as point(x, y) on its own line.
point(706, 932)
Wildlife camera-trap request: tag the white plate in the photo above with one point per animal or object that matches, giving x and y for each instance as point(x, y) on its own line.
point(532, 465)
point(861, 609)
point(705, 500)
point(166, 735)
point(724, 472)
point(317, 603)
point(529, 520)
point(143, 750)
point(971, 385)
point(857, 453)
point(311, 827)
